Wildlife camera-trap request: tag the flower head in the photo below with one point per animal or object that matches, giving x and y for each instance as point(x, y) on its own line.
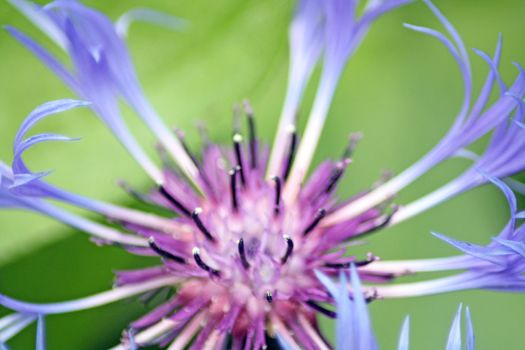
point(251, 242)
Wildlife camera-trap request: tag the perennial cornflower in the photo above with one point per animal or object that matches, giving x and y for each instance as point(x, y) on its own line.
point(252, 244)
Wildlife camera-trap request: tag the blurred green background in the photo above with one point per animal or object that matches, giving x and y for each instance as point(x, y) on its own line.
point(401, 89)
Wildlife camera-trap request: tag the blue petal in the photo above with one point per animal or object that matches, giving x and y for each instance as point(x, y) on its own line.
point(8, 320)
point(509, 195)
point(40, 333)
point(149, 16)
point(43, 111)
point(345, 318)
point(493, 67)
point(47, 109)
point(482, 252)
point(19, 166)
point(449, 27)
point(36, 139)
point(518, 247)
point(16, 328)
point(362, 327)
point(521, 214)
point(328, 283)
point(50, 61)
point(40, 19)
point(404, 336)
point(283, 344)
point(470, 331)
point(454, 336)
point(25, 179)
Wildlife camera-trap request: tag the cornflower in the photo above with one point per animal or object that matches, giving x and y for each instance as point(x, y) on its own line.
point(252, 243)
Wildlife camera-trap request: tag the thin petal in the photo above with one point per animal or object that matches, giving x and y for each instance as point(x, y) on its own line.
point(454, 336)
point(328, 283)
point(45, 110)
point(149, 16)
point(518, 247)
point(482, 252)
point(471, 341)
point(40, 19)
point(50, 61)
point(283, 343)
point(16, 328)
point(344, 322)
point(404, 336)
point(362, 326)
point(40, 333)
point(89, 302)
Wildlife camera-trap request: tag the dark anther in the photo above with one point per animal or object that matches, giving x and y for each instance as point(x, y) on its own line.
point(197, 256)
point(163, 253)
point(167, 161)
point(134, 193)
point(353, 139)
point(182, 139)
point(357, 263)
point(289, 249)
point(382, 222)
point(173, 201)
point(237, 139)
point(344, 265)
point(291, 152)
point(269, 296)
point(321, 213)
point(370, 258)
point(277, 201)
point(336, 175)
point(324, 311)
point(200, 224)
point(242, 254)
point(233, 188)
point(252, 134)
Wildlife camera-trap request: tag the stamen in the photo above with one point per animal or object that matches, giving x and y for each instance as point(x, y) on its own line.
point(192, 156)
point(382, 222)
point(291, 151)
point(196, 255)
point(242, 254)
point(134, 193)
point(289, 249)
point(319, 308)
point(233, 188)
point(182, 140)
point(200, 224)
point(269, 296)
point(353, 139)
point(163, 253)
point(252, 134)
point(203, 134)
point(237, 139)
point(357, 263)
point(321, 213)
point(336, 175)
point(236, 119)
point(173, 201)
point(277, 202)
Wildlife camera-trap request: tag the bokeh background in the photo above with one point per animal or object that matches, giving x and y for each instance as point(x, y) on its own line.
point(401, 90)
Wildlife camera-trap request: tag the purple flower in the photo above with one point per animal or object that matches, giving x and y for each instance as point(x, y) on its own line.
point(251, 243)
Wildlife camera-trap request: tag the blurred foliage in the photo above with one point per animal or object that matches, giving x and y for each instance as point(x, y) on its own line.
point(401, 89)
